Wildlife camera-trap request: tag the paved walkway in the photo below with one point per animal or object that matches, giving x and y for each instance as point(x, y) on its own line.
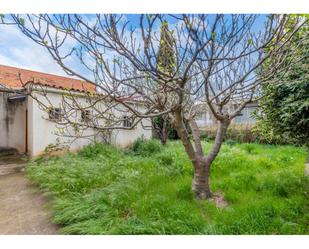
point(22, 207)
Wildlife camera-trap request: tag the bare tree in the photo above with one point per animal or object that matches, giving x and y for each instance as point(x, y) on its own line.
point(219, 66)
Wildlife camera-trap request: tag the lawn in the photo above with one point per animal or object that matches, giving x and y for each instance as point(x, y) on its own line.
point(104, 190)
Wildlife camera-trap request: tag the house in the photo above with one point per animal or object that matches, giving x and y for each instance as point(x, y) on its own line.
point(205, 119)
point(29, 129)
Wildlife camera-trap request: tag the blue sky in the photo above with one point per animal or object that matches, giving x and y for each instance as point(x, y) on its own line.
point(18, 50)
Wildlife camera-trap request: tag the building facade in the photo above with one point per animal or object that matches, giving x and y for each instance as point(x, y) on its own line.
point(26, 127)
point(246, 117)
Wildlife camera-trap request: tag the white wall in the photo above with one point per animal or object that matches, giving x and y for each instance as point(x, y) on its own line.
point(41, 131)
point(12, 123)
point(246, 116)
point(124, 138)
point(204, 118)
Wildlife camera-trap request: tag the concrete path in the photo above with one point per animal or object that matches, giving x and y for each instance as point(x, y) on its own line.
point(22, 207)
point(11, 163)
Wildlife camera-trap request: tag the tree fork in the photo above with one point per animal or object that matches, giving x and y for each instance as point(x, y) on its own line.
point(200, 182)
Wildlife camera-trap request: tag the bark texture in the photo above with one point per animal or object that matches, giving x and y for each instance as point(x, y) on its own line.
point(200, 182)
point(201, 162)
point(164, 132)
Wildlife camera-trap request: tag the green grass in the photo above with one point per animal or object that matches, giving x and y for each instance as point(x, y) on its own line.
point(103, 190)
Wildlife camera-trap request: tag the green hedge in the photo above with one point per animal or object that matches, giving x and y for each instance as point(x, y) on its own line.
point(240, 133)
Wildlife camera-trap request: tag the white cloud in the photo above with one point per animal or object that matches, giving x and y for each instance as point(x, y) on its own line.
point(20, 51)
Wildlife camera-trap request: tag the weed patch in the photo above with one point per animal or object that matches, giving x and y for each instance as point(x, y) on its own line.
point(147, 190)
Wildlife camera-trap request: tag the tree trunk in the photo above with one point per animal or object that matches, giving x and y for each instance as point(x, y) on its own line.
point(164, 132)
point(201, 164)
point(221, 131)
point(200, 183)
point(196, 137)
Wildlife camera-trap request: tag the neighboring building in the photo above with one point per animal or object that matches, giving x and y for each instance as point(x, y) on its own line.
point(246, 115)
point(205, 119)
point(27, 128)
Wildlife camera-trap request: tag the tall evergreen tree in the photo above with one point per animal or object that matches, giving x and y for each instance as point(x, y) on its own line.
point(166, 63)
point(166, 55)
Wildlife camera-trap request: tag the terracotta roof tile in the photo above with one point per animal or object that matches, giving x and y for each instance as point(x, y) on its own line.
point(9, 77)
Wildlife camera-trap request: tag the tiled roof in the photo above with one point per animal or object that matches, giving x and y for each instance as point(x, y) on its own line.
point(9, 77)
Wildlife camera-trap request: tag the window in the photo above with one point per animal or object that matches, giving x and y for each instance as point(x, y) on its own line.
point(127, 122)
point(251, 117)
point(246, 116)
point(85, 115)
point(54, 114)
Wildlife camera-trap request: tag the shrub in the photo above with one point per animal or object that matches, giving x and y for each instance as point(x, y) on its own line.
point(93, 150)
point(146, 147)
point(158, 126)
point(204, 136)
point(283, 114)
point(236, 132)
point(230, 142)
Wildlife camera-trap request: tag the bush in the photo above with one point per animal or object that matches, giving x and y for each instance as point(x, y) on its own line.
point(239, 133)
point(158, 126)
point(283, 116)
point(230, 142)
point(146, 147)
point(283, 113)
point(93, 150)
point(204, 136)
